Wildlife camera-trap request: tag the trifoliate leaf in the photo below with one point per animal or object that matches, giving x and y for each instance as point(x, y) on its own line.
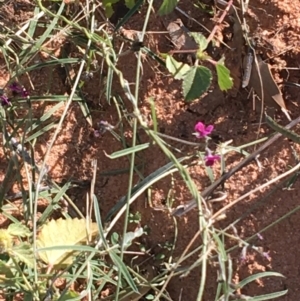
point(167, 7)
point(59, 233)
point(177, 69)
point(196, 81)
point(225, 82)
point(18, 229)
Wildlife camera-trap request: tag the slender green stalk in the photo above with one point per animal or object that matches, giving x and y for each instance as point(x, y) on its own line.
point(132, 161)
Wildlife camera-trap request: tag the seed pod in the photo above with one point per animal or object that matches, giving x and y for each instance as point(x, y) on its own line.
point(247, 67)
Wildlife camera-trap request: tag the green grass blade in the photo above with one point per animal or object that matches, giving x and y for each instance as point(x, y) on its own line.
point(254, 277)
point(86, 111)
point(270, 296)
point(124, 271)
point(37, 45)
point(128, 151)
point(99, 222)
point(153, 114)
point(109, 80)
point(33, 23)
point(45, 64)
point(52, 205)
point(131, 12)
point(282, 130)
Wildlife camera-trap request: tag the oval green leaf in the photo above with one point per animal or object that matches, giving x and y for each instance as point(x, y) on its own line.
point(196, 81)
point(225, 82)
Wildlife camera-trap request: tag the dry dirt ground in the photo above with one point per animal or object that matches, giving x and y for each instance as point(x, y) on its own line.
point(277, 23)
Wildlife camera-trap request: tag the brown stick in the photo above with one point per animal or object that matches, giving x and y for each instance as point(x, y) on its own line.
point(226, 10)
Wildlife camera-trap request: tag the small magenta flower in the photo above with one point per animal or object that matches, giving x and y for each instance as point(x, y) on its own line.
point(4, 100)
point(210, 159)
point(18, 89)
point(202, 130)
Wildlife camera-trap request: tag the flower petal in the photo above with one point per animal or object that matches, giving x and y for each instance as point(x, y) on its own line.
point(4, 100)
point(210, 159)
point(18, 89)
point(209, 129)
point(203, 130)
point(199, 127)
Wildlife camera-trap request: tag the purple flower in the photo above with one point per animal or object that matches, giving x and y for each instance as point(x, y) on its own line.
point(18, 89)
point(202, 130)
point(267, 256)
point(4, 100)
point(97, 133)
point(210, 159)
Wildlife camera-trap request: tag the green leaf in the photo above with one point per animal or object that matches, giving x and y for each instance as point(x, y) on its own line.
point(86, 111)
point(18, 229)
point(58, 233)
point(128, 151)
point(6, 271)
point(196, 81)
point(200, 39)
point(225, 82)
point(108, 7)
point(167, 7)
point(114, 238)
point(177, 69)
point(270, 296)
point(130, 3)
point(24, 253)
point(257, 276)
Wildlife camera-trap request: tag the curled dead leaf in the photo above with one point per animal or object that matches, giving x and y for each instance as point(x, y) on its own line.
point(267, 87)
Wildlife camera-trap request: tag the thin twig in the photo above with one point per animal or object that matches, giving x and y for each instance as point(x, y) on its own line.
point(219, 21)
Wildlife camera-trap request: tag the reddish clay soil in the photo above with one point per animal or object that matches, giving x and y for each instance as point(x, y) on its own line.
point(278, 23)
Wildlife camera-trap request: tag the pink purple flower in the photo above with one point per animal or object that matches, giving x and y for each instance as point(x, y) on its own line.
point(202, 130)
point(4, 100)
point(210, 159)
point(18, 89)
